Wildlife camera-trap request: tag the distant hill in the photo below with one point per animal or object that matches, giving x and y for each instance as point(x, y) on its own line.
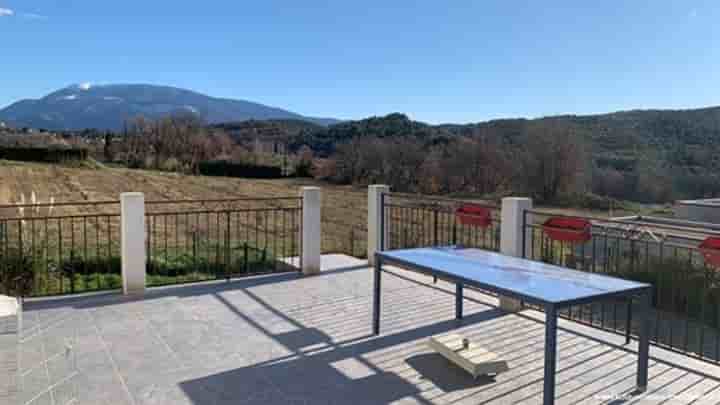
point(619, 133)
point(107, 107)
point(639, 155)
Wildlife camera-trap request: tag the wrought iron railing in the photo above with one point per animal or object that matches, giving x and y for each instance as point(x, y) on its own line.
point(59, 248)
point(198, 240)
point(664, 253)
point(65, 248)
point(418, 221)
point(348, 239)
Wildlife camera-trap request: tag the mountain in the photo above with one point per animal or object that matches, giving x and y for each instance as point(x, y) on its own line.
point(109, 106)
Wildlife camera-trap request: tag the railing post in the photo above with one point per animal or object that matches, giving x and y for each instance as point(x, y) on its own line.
point(512, 232)
point(513, 222)
point(132, 240)
point(377, 227)
point(311, 232)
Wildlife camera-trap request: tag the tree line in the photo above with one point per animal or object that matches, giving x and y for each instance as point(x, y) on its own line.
point(545, 165)
point(638, 156)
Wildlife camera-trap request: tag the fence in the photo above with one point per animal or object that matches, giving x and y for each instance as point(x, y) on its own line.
point(61, 248)
point(49, 249)
point(686, 297)
point(219, 239)
point(348, 239)
point(417, 221)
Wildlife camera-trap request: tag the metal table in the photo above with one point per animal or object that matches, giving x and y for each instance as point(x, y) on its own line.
point(550, 286)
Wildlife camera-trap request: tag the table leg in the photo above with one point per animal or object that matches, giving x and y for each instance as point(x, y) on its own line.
point(550, 354)
point(628, 321)
point(376, 296)
point(458, 301)
point(643, 341)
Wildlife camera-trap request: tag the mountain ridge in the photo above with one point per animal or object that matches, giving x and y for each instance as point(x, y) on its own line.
point(109, 106)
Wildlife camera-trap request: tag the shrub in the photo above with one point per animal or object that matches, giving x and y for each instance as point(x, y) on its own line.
point(36, 154)
point(17, 274)
point(225, 168)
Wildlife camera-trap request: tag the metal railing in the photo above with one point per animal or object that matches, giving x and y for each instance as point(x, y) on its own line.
point(67, 248)
point(198, 240)
point(417, 221)
point(686, 296)
point(59, 248)
point(348, 239)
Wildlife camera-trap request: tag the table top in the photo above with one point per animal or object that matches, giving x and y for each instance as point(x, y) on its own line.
point(521, 278)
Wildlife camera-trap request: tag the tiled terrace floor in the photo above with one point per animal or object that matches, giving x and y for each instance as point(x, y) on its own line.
point(285, 339)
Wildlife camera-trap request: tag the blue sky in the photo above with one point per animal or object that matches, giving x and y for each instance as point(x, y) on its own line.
point(451, 61)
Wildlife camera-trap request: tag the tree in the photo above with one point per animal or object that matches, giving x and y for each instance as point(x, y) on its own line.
point(552, 159)
point(107, 148)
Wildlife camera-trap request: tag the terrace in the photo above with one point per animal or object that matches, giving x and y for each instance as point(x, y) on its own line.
point(288, 338)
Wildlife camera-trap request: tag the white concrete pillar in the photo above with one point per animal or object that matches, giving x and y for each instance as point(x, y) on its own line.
point(511, 230)
point(375, 223)
point(132, 239)
point(311, 230)
point(511, 237)
point(10, 331)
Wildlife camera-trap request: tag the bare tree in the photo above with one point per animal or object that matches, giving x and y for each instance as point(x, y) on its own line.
point(551, 160)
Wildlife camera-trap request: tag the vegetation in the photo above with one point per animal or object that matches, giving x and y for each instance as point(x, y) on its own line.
point(230, 169)
point(43, 154)
point(545, 164)
point(644, 156)
point(27, 275)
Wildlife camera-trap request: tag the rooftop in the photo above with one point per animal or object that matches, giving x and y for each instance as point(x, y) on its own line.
point(707, 202)
point(289, 339)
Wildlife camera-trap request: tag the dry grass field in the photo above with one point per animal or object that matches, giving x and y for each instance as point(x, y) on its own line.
point(344, 207)
point(188, 242)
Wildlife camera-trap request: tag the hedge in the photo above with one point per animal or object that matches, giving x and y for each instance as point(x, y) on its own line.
point(52, 155)
point(224, 168)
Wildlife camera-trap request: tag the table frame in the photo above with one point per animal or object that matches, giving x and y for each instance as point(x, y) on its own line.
point(643, 294)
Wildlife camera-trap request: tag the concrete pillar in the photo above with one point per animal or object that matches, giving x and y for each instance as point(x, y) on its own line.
point(10, 331)
point(311, 230)
point(511, 237)
point(375, 223)
point(511, 231)
point(132, 239)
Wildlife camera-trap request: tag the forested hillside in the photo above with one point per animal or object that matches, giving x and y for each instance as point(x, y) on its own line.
point(641, 155)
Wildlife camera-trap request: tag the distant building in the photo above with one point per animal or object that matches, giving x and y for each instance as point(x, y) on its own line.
point(707, 210)
point(643, 237)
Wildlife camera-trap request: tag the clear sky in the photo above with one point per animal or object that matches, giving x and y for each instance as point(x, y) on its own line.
point(437, 61)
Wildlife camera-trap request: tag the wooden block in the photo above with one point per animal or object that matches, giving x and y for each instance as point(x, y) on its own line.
point(473, 358)
point(510, 304)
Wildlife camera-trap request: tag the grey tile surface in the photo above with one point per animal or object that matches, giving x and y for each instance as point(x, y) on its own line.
point(287, 339)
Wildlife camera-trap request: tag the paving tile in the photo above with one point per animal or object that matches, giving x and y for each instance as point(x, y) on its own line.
point(306, 340)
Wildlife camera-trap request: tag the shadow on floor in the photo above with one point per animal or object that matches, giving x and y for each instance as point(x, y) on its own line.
point(317, 378)
point(301, 381)
point(443, 374)
point(105, 298)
